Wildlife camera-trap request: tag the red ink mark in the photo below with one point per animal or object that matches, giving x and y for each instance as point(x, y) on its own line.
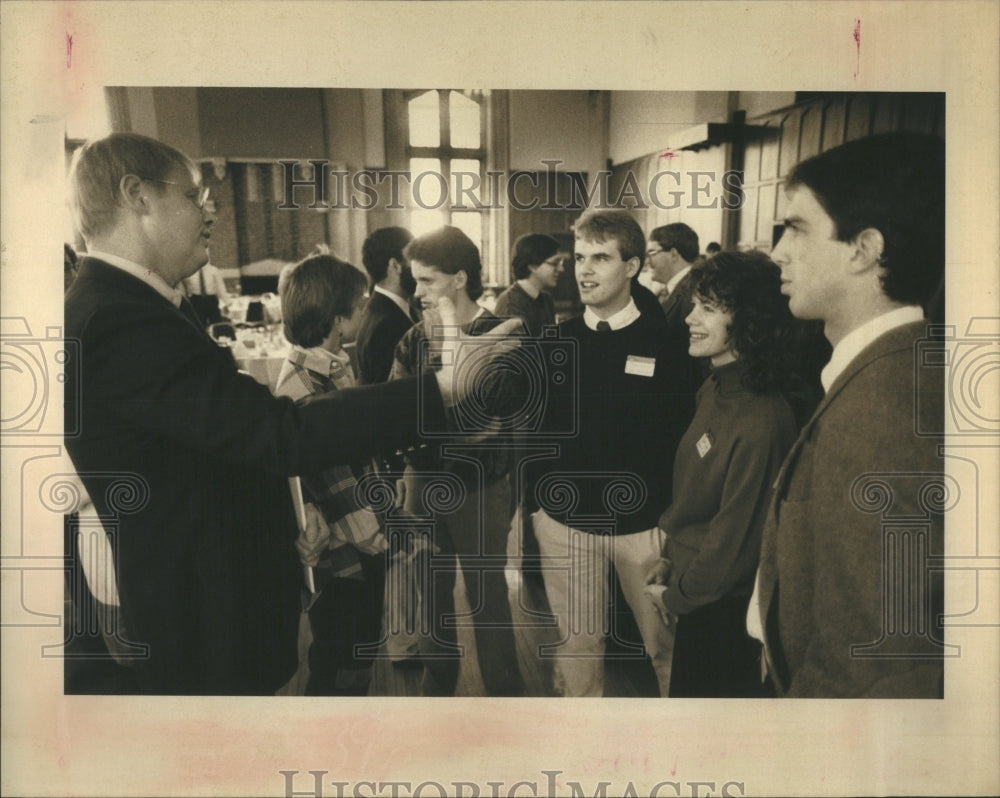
point(857, 44)
point(673, 770)
point(668, 153)
point(69, 50)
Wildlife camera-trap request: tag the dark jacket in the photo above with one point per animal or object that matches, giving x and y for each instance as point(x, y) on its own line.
point(849, 602)
point(186, 461)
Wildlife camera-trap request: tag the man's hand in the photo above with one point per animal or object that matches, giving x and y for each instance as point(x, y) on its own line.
point(659, 572)
point(313, 539)
point(465, 358)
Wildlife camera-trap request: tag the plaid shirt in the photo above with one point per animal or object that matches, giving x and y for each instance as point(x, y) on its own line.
point(353, 528)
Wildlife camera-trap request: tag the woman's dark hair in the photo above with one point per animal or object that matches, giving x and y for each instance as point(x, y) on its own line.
point(747, 285)
point(318, 289)
point(531, 250)
point(451, 251)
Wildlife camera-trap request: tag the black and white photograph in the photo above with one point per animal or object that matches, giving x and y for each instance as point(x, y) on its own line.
point(516, 362)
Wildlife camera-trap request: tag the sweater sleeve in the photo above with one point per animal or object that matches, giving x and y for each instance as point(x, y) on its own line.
point(730, 547)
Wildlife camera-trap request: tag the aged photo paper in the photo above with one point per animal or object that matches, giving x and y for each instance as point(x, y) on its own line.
point(57, 56)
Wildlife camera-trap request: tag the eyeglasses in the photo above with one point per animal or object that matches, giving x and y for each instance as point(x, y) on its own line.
point(651, 252)
point(199, 200)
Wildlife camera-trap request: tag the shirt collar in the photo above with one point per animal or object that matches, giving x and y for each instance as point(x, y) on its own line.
point(851, 345)
point(623, 318)
point(398, 300)
point(148, 276)
point(673, 281)
point(319, 360)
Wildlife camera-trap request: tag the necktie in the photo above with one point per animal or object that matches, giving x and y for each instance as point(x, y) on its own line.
point(603, 326)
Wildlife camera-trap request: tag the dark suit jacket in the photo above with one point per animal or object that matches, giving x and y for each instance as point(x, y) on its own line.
point(853, 492)
point(678, 304)
point(207, 572)
point(382, 325)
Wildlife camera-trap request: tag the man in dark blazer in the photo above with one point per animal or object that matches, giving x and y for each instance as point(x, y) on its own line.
point(185, 459)
point(671, 251)
point(389, 313)
point(850, 598)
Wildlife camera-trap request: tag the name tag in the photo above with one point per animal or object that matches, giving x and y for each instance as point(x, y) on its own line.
point(704, 444)
point(640, 366)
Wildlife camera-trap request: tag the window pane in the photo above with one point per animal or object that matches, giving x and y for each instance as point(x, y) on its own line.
point(423, 221)
point(425, 121)
point(464, 120)
point(471, 224)
point(466, 170)
point(427, 187)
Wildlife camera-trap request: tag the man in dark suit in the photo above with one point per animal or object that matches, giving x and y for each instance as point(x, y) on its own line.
point(185, 458)
point(671, 251)
point(850, 601)
point(389, 313)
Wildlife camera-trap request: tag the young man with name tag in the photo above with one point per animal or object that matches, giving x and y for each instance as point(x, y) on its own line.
point(598, 498)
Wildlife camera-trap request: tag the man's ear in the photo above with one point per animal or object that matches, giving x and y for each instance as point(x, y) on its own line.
point(869, 246)
point(633, 265)
point(131, 193)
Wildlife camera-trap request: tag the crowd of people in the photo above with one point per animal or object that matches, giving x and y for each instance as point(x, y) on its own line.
point(697, 453)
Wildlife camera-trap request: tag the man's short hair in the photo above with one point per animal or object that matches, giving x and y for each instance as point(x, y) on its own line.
point(531, 250)
point(451, 251)
point(713, 247)
point(601, 225)
point(893, 183)
point(382, 246)
point(680, 237)
point(316, 291)
point(99, 166)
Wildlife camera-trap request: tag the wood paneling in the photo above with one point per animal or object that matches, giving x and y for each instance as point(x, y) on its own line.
point(784, 137)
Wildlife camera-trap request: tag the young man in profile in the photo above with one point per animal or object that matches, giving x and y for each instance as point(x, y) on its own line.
point(600, 497)
point(471, 531)
point(849, 607)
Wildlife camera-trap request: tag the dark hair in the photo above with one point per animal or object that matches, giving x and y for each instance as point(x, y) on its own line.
point(893, 183)
point(713, 247)
point(530, 250)
point(317, 290)
point(680, 237)
point(380, 247)
point(451, 251)
point(99, 166)
point(747, 285)
point(601, 225)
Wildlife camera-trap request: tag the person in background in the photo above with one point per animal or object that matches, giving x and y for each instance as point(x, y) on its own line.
point(863, 248)
point(723, 471)
point(537, 264)
point(390, 311)
point(446, 267)
point(207, 292)
point(597, 498)
point(671, 252)
point(322, 303)
point(713, 248)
